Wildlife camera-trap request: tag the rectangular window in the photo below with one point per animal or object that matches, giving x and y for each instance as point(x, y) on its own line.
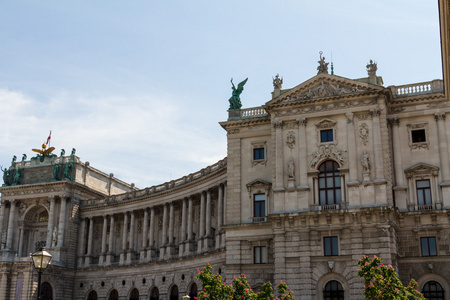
point(259, 205)
point(428, 246)
point(423, 189)
point(326, 135)
point(330, 246)
point(260, 255)
point(258, 153)
point(418, 136)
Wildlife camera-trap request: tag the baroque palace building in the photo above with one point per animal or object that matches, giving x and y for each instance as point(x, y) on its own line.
point(321, 174)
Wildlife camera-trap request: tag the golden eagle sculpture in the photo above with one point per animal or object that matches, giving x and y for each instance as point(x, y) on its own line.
point(44, 152)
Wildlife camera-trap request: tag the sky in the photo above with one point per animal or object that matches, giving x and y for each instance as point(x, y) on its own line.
point(138, 87)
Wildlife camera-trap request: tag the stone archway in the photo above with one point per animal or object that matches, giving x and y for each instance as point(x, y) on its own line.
point(46, 291)
point(34, 235)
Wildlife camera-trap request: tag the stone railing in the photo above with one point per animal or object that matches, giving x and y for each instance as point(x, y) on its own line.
point(158, 188)
point(252, 112)
point(329, 206)
point(435, 86)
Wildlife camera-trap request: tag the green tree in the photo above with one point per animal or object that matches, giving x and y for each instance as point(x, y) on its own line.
point(216, 289)
point(381, 282)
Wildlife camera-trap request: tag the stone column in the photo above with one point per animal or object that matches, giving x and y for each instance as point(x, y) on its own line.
point(377, 144)
point(2, 218)
point(189, 243)
point(183, 228)
point(351, 148)
point(62, 223)
point(224, 213)
point(303, 159)
point(170, 245)
point(124, 238)
point(151, 244)
point(219, 215)
point(3, 286)
point(81, 242)
point(279, 156)
point(11, 223)
point(397, 153)
point(207, 241)
point(164, 233)
point(131, 250)
point(87, 261)
point(51, 217)
point(201, 232)
point(110, 255)
point(443, 147)
point(102, 257)
point(19, 251)
point(144, 235)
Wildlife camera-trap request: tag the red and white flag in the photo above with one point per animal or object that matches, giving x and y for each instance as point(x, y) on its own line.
point(48, 139)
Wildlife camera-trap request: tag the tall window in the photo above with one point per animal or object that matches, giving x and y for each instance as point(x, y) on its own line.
point(330, 246)
point(174, 293)
point(134, 295)
point(329, 183)
point(193, 291)
point(428, 246)
point(113, 295)
point(259, 205)
point(154, 294)
point(333, 291)
point(433, 290)
point(260, 255)
point(92, 295)
point(423, 188)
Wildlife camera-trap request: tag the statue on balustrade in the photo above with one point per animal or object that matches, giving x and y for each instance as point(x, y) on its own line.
point(235, 100)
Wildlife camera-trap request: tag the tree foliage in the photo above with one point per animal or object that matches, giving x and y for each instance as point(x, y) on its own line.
point(216, 289)
point(381, 282)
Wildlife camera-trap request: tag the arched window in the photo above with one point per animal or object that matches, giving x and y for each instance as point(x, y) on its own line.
point(46, 291)
point(174, 293)
point(433, 290)
point(333, 291)
point(134, 294)
point(154, 294)
point(92, 295)
point(329, 183)
point(193, 291)
point(113, 295)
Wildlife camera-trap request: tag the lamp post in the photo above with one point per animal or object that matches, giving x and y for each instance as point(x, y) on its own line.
point(41, 260)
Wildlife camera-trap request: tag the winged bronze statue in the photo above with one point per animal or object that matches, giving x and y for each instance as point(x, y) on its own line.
point(44, 152)
point(235, 100)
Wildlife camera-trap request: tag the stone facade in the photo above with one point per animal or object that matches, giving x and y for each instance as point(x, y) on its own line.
point(318, 176)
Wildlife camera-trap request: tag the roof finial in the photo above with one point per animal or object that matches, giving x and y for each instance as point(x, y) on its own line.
point(323, 66)
point(332, 68)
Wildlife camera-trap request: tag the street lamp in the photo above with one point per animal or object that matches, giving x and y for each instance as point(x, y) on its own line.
point(41, 260)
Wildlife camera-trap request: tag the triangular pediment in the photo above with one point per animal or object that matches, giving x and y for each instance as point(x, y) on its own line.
point(325, 86)
point(421, 168)
point(259, 182)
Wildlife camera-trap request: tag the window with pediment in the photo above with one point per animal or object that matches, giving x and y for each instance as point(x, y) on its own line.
point(326, 132)
point(417, 135)
point(422, 185)
point(259, 153)
point(258, 191)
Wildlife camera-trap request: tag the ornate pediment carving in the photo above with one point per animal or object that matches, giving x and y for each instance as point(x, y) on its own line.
point(325, 152)
point(422, 169)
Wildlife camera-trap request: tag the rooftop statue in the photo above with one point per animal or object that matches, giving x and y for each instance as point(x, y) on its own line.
point(235, 100)
point(372, 68)
point(44, 152)
point(323, 66)
point(277, 82)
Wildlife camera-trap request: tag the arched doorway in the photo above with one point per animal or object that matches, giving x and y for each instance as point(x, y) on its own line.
point(193, 290)
point(154, 293)
point(333, 291)
point(46, 291)
point(134, 294)
point(329, 183)
point(113, 295)
point(433, 290)
point(174, 292)
point(92, 295)
point(34, 228)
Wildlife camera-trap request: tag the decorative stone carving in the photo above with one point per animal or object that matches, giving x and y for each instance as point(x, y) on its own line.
point(290, 139)
point(372, 68)
point(54, 237)
point(277, 124)
point(375, 112)
point(364, 133)
point(328, 151)
point(416, 145)
point(439, 116)
point(323, 66)
point(291, 168)
point(313, 108)
point(365, 162)
point(22, 208)
point(349, 116)
point(277, 82)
